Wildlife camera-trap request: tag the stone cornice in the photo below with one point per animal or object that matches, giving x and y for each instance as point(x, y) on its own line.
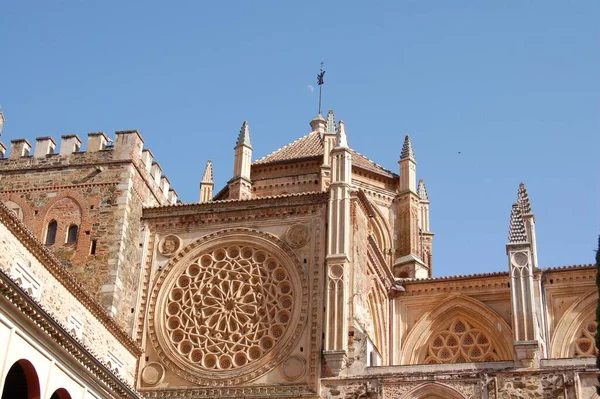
point(285, 200)
point(53, 265)
point(35, 312)
point(256, 391)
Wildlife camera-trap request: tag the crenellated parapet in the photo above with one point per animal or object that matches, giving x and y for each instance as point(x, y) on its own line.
point(128, 146)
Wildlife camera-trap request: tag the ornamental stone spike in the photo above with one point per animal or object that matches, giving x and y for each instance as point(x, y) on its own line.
point(207, 177)
point(516, 233)
point(1, 120)
point(341, 139)
point(244, 136)
point(422, 191)
point(523, 200)
point(331, 122)
point(407, 151)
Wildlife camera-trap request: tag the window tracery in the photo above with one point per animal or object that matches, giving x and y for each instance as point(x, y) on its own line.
point(460, 343)
point(585, 343)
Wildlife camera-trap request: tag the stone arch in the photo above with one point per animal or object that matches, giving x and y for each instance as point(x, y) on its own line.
point(433, 391)
point(21, 381)
point(457, 307)
point(381, 230)
point(19, 202)
point(67, 212)
point(569, 327)
point(61, 393)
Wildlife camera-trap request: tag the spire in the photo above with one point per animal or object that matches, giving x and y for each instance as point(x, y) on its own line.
point(523, 200)
point(207, 177)
point(244, 137)
point(331, 122)
point(407, 151)
point(516, 233)
point(422, 191)
point(340, 138)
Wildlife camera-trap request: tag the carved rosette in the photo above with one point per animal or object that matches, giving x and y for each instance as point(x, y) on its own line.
point(229, 307)
point(297, 236)
point(169, 245)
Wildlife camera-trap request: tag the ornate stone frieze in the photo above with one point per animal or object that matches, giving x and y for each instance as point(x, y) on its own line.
point(229, 307)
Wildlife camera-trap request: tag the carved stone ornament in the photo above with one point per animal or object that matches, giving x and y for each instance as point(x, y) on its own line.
point(297, 236)
point(520, 259)
point(169, 245)
point(153, 373)
point(229, 307)
point(294, 368)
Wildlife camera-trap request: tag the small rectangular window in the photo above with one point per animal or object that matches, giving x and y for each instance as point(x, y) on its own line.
point(93, 247)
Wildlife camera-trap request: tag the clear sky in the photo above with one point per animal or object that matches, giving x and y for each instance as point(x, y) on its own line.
point(492, 93)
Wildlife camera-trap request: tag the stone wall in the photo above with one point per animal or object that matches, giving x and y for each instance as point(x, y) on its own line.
point(71, 311)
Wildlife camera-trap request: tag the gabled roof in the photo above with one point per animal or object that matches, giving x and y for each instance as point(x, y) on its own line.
point(311, 146)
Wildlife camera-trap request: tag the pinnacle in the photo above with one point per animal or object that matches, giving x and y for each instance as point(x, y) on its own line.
point(340, 138)
point(407, 151)
point(244, 136)
point(331, 122)
point(422, 191)
point(523, 200)
point(516, 233)
point(207, 177)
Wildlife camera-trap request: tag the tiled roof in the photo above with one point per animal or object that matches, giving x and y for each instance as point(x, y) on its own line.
point(308, 146)
point(311, 146)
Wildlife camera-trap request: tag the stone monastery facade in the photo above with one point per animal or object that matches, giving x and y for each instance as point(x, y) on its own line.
point(309, 275)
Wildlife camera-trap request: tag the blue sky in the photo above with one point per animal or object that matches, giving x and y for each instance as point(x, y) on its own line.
point(514, 86)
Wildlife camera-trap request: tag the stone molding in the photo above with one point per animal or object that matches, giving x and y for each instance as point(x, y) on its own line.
point(56, 332)
point(569, 325)
point(45, 257)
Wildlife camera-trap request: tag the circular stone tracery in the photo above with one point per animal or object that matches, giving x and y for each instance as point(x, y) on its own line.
point(226, 309)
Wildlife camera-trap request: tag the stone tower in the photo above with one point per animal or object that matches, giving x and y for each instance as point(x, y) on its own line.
point(207, 183)
point(413, 243)
point(240, 186)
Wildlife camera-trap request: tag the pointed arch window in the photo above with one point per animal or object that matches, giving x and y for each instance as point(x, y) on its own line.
point(51, 232)
point(72, 234)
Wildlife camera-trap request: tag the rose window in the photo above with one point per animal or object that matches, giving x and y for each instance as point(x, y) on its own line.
point(226, 308)
point(460, 343)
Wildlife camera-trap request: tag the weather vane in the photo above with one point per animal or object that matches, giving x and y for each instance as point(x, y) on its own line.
point(320, 82)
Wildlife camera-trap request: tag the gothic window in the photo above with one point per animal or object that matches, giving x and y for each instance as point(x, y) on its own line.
point(460, 343)
point(584, 344)
point(51, 232)
point(72, 234)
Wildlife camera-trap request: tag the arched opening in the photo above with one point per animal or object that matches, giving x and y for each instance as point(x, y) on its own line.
point(21, 382)
point(51, 232)
point(72, 234)
point(60, 394)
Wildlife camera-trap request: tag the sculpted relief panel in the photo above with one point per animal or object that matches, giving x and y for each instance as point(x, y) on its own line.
point(231, 309)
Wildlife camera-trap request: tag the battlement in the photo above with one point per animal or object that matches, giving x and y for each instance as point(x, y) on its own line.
point(128, 146)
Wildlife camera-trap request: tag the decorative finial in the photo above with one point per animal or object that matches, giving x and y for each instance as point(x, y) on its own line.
point(1, 120)
point(331, 122)
point(422, 191)
point(341, 139)
point(516, 232)
point(207, 177)
point(320, 82)
point(244, 137)
point(407, 151)
point(523, 200)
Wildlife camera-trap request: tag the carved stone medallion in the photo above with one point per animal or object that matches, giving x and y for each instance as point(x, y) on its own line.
point(153, 373)
point(520, 259)
point(294, 368)
point(229, 310)
point(169, 245)
point(297, 235)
